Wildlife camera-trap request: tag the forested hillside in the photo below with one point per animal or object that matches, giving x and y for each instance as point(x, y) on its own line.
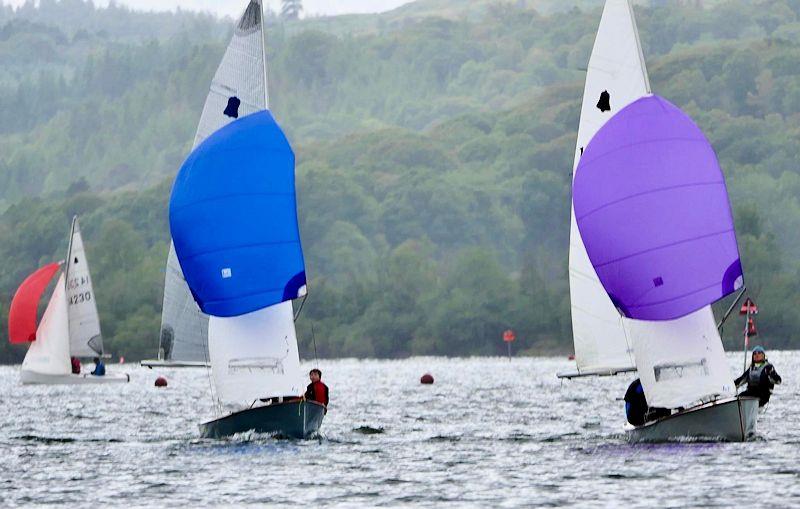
point(435, 149)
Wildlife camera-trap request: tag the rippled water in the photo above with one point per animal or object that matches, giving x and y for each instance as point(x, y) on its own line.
point(489, 432)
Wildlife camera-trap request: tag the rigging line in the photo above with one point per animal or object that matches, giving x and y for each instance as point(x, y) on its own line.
point(303, 303)
point(730, 309)
point(314, 339)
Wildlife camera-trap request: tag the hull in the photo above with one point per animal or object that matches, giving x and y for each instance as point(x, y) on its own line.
point(295, 419)
point(730, 420)
point(33, 378)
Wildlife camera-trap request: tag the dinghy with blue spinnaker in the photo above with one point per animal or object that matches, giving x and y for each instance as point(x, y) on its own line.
point(70, 326)
point(652, 247)
point(233, 220)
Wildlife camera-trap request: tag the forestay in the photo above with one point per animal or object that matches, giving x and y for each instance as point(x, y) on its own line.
point(49, 354)
point(616, 77)
point(239, 88)
point(681, 362)
point(254, 356)
point(85, 339)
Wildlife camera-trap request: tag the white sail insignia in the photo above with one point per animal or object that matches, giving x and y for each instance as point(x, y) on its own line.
point(85, 339)
point(254, 356)
point(616, 77)
point(239, 88)
point(49, 354)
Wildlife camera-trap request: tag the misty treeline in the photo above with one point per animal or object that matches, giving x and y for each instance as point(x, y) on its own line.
point(435, 149)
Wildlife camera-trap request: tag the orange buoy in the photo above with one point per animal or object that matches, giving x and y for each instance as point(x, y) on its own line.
point(161, 382)
point(426, 379)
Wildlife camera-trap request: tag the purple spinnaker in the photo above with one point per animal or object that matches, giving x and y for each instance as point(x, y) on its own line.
point(653, 212)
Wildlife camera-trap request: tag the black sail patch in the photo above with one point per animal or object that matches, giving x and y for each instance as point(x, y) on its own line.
point(604, 104)
point(232, 109)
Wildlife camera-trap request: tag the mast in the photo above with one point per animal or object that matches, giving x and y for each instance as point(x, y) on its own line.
point(69, 249)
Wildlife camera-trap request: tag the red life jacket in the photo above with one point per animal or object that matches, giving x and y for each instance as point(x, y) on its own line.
point(320, 393)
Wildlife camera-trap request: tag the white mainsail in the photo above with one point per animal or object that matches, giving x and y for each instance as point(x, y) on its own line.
point(239, 88)
point(85, 339)
point(254, 356)
point(49, 354)
point(616, 77)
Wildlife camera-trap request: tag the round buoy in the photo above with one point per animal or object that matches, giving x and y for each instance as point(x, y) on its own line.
point(161, 382)
point(426, 379)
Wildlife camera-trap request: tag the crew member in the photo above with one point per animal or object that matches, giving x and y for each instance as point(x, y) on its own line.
point(99, 367)
point(316, 390)
point(636, 409)
point(635, 403)
point(76, 365)
point(760, 377)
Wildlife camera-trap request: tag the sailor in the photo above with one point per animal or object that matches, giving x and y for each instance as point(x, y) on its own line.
point(76, 365)
point(99, 367)
point(636, 409)
point(316, 390)
point(635, 403)
point(760, 377)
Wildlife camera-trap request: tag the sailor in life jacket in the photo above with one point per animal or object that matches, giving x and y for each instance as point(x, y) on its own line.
point(316, 390)
point(760, 377)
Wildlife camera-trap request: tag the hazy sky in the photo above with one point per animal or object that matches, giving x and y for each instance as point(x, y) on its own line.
point(233, 7)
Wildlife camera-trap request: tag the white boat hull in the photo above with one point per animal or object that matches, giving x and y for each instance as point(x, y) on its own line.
point(730, 420)
point(34, 378)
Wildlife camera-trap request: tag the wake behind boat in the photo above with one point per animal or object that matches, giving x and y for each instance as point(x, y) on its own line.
point(651, 247)
point(70, 326)
point(236, 262)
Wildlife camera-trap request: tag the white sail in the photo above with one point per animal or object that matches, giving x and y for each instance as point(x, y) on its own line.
point(616, 77)
point(681, 361)
point(254, 356)
point(49, 354)
point(85, 339)
point(239, 88)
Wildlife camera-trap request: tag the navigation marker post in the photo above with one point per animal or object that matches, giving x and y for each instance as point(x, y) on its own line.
point(748, 309)
point(509, 337)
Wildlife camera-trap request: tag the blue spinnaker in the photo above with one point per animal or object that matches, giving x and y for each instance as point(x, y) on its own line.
point(233, 218)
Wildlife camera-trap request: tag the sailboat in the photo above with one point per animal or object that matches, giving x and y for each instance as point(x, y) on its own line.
point(70, 326)
point(233, 220)
point(651, 221)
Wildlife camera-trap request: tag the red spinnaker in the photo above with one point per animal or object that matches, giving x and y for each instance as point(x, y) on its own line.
point(22, 315)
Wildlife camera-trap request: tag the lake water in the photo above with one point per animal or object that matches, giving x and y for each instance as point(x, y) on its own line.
point(488, 433)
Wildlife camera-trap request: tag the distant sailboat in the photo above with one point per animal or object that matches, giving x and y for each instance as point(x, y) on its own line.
point(652, 246)
point(233, 220)
point(70, 326)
